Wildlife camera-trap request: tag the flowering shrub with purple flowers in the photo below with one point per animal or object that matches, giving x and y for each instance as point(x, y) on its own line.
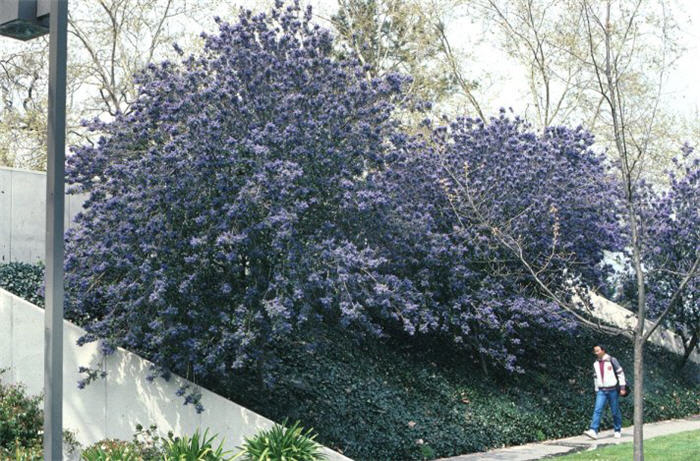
point(671, 249)
point(550, 190)
point(262, 189)
point(218, 219)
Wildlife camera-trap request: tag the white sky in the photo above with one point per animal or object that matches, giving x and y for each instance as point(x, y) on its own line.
point(507, 86)
point(503, 77)
point(684, 84)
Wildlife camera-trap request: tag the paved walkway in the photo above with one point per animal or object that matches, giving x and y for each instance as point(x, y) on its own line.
point(556, 447)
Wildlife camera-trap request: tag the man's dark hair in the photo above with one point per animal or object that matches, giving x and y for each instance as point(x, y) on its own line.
point(602, 348)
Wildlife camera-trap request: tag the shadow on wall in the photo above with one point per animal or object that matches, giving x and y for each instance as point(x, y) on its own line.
point(111, 407)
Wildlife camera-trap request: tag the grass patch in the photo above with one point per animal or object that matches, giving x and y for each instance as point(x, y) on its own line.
point(684, 446)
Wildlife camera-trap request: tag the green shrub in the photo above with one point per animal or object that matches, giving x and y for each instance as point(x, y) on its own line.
point(24, 280)
point(279, 443)
point(148, 442)
point(198, 447)
point(21, 425)
point(112, 450)
point(21, 422)
point(35, 453)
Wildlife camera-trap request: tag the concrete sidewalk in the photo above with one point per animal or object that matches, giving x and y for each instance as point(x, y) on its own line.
point(577, 443)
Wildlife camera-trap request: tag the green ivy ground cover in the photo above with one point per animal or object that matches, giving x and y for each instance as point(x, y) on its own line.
point(23, 279)
point(407, 399)
point(386, 400)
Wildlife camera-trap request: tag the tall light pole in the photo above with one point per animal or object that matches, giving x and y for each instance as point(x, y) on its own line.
point(24, 20)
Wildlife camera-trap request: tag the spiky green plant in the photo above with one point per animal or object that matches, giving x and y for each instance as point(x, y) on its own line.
point(280, 443)
point(198, 447)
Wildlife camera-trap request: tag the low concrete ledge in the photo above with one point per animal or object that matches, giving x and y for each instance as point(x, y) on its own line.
point(111, 407)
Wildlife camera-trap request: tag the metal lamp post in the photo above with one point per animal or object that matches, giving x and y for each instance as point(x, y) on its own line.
point(24, 20)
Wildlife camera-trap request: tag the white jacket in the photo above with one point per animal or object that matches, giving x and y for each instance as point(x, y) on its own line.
point(606, 379)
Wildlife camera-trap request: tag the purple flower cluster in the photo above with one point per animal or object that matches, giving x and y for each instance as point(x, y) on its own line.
point(218, 219)
point(262, 189)
point(671, 246)
point(549, 191)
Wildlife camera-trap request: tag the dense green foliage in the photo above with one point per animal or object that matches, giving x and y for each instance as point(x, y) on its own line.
point(21, 422)
point(23, 279)
point(678, 447)
point(21, 425)
point(386, 400)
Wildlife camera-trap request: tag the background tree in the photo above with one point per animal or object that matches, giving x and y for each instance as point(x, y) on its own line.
point(610, 58)
point(408, 37)
point(551, 42)
point(23, 79)
point(109, 41)
point(117, 38)
point(610, 32)
point(541, 37)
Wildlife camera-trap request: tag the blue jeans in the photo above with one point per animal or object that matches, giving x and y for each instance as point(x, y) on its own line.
point(600, 399)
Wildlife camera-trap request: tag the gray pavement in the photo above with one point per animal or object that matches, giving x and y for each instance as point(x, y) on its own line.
point(548, 448)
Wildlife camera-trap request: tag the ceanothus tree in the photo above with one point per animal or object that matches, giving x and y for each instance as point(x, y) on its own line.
point(262, 190)
point(446, 198)
point(218, 219)
point(671, 251)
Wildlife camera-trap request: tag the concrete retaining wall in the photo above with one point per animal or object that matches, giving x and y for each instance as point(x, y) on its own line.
point(111, 407)
point(23, 214)
point(617, 315)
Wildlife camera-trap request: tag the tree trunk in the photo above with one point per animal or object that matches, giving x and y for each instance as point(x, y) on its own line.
point(638, 337)
point(689, 349)
point(638, 398)
point(484, 367)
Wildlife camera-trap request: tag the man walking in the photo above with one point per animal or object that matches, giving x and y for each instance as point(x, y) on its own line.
point(607, 373)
